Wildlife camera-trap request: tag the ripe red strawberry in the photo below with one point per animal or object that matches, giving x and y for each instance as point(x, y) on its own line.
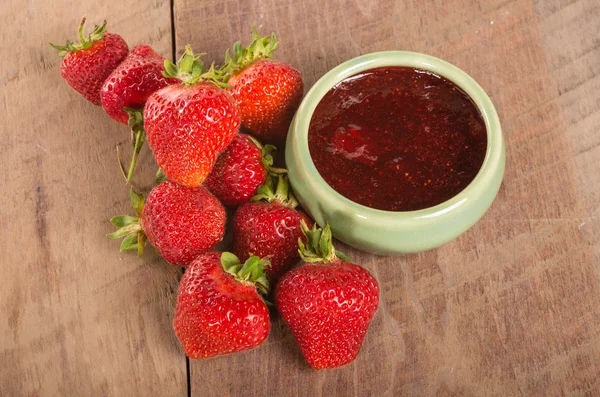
point(328, 302)
point(269, 226)
point(268, 92)
point(88, 63)
point(188, 124)
point(126, 90)
point(240, 170)
point(133, 81)
point(181, 222)
point(219, 310)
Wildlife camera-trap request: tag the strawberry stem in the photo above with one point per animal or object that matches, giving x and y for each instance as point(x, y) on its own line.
point(136, 122)
point(138, 135)
point(319, 246)
point(139, 142)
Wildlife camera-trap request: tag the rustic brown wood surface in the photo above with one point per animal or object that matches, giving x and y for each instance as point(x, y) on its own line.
point(510, 308)
point(78, 318)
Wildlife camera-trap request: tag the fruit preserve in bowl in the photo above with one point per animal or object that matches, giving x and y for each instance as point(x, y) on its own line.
point(399, 151)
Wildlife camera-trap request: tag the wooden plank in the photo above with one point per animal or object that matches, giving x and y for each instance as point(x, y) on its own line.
point(511, 307)
point(79, 319)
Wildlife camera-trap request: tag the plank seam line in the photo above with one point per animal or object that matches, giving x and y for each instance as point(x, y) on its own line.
point(173, 37)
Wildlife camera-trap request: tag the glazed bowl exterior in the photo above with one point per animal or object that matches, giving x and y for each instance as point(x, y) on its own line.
point(389, 232)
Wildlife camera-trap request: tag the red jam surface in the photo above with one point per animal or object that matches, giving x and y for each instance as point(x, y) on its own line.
point(397, 139)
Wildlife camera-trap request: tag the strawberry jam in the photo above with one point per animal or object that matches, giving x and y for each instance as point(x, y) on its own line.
point(397, 139)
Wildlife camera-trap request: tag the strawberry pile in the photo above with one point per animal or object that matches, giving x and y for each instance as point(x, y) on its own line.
point(205, 127)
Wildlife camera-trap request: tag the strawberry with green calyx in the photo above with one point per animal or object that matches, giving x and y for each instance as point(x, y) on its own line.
point(269, 226)
point(240, 170)
point(133, 81)
point(219, 306)
point(328, 302)
point(190, 123)
point(87, 64)
point(268, 92)
point(180, 222)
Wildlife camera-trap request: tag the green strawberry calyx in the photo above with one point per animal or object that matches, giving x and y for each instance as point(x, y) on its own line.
point(268, 151)
point(190, 70)
point(138, 135)
point(130, 227)
point(84, 41)
point(259, 48)
point(276, 189)
point(319, 246)
point(250, 272)
point(160, 176)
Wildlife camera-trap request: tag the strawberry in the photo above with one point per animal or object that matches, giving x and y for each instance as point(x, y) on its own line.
point(327, 302)
point(88, 63)
point(268, 92)
point(181, 222)
point(126, 90)
point(190, 123)
point(133, 81)
point(219, 310)
point(240, 170)
point(269, 226)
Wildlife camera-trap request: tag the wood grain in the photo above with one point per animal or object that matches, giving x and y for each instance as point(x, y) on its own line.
point(79, 319)
point(510, 308)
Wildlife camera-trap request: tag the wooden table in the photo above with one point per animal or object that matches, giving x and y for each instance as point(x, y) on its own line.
point(512, 307)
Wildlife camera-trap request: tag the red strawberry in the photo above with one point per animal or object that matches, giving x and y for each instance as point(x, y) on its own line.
point(268, 92)
point(126, 90)
point(219, 310)
point(132, 82)
point(240, 170)
point(328, 302)
point(88, 63)
point(188, 124)
point(270, 228)
point(181, 222)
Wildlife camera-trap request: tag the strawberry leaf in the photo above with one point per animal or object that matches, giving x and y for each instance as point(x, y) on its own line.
point(190, 70)
point(125, 231)
point(130, 228)
point(123, 220)
point(230, 262)
point(84, 41)
point(251, 271)
point(141, 242)
point(137, 201)
point(319, 246)
point(129, 243)
point(342, 256)
point(170, 69)
point(281, 194)
point(259, 48)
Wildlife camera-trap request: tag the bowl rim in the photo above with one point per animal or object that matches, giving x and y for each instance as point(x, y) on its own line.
point(493, 159)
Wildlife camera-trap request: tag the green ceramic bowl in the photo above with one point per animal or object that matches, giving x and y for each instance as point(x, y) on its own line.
point(387, 232)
